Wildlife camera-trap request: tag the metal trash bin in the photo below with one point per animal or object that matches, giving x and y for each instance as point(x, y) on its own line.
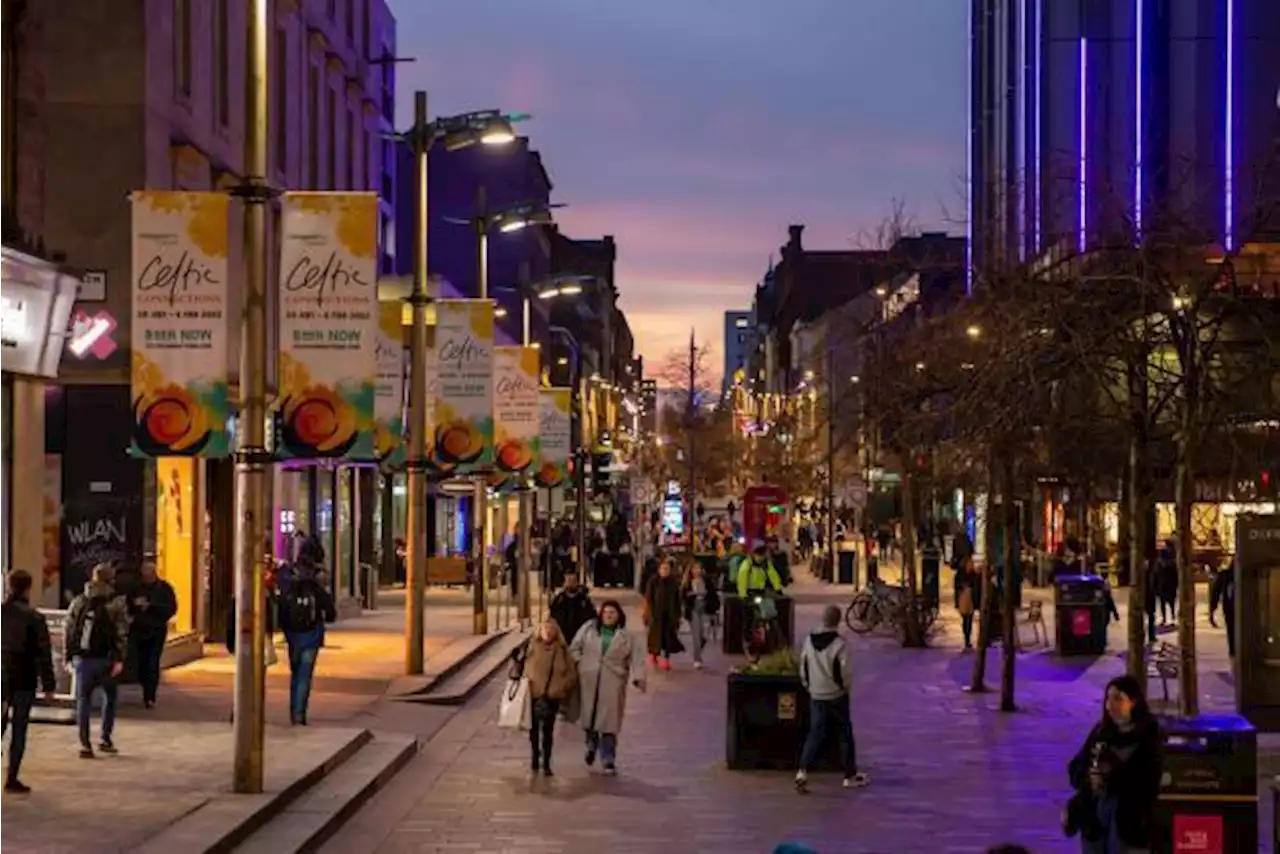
point(930, 575)
point(1209, 790)
point(1080, 606)
point(847, 565)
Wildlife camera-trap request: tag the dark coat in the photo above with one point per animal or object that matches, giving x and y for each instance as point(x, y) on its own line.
point(1134, 783)
point(572, 611)
point(972, 580)
point(710, 603)
point(664, 607)
point(27, 653)
point(161, 604)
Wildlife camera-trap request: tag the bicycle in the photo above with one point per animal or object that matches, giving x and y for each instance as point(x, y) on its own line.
point(760, 633)
point(876, 605)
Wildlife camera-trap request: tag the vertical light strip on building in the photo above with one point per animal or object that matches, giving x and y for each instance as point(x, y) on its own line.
point(968, 161)
point(1021, 135)
point(1084, 141)
point(1139, 36)
point(1228, 183)
point(1039, 111)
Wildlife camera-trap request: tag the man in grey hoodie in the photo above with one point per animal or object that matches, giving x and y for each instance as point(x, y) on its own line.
point(826, 675)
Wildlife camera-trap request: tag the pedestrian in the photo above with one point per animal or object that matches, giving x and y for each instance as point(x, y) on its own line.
point(968, 597)
point(27, 664)
point(662, 610)
point(701, 603)
point(1116, 775)
point(552, 679)
point(607, 657)
point(571, 607)
point(827, 677)
point(97, 641)
point(304, 610)
point(1223, 592)
point(1167, 583)
point(1152, 596)
point(152, 604)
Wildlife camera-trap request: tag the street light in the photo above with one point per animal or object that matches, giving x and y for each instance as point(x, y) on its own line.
point(487, 127)
point(974, 331)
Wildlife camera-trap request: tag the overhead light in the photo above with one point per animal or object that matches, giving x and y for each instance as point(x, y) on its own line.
point(513, 225)
point(855, 378)
point(919, 366)
point(563, 360)
point(549, 293)
point(499, 312)
point(973, 331)
point(571, 289)
point(498, 135)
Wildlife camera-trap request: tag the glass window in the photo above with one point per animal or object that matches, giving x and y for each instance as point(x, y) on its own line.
point(345, 557)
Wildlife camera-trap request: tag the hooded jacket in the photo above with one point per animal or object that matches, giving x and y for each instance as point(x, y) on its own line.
point(116, 609)
point(824, 665)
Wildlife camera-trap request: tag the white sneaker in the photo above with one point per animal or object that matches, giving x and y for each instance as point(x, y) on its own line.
point(802, 782)
point(857, 781)
point(697, 665)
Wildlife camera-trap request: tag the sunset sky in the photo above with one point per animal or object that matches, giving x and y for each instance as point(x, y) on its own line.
point(695, 131)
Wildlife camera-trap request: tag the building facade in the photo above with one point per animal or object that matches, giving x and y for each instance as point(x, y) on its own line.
point(1091, 118)
point(738, 343)
point(158, 88)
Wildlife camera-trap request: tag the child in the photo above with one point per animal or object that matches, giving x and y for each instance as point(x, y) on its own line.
point(825, 673)
point(552, 679)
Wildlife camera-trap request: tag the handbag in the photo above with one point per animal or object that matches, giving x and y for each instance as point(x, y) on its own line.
point(269, 656)
point(515, 709)
point(965, 605)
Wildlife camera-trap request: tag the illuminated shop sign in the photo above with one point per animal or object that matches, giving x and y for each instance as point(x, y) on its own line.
point(34, 310)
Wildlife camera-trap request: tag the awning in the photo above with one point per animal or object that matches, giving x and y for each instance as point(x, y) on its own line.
point(36, 298)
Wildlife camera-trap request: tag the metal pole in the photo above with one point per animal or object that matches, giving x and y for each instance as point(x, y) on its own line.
point(690, 426)
point(580, 469)
point(524, 515)
point(480, 495)
point(416, 552)
point(251, 452)
point(831, 458)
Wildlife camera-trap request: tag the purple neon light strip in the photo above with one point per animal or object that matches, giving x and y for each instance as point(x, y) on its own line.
point(1084, 141)
point(1138, 65)
point(1229, 200)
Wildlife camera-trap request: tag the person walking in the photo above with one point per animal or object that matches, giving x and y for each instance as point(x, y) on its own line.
point(701, 602)
point(1222, 591)
point(1116, 775)
point(827, 677)
point(571, 607)
point(97, 641)
point(607, 657)
point(662, 609)
point(1167, 583)
point(26, 663)
point(304, 609)
point(152, 604)
point(968, 597)
point(552, 679)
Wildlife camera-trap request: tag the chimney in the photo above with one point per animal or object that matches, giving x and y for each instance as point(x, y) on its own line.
point(796, 232)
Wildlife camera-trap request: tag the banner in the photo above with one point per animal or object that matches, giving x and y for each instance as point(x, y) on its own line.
point(462, 411)
point(328, 324)
point(516, 408)
point(179, 364)
point(556, 434)
point(388, 401)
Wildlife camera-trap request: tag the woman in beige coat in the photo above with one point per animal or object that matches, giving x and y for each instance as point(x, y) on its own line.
point(552, 680)
point(607, 657)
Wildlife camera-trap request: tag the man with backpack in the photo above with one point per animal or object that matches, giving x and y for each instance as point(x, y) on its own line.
point(97, 640)
point(27, 666)
point(304, 609)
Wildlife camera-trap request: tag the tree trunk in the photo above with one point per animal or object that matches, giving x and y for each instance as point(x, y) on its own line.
point(912, 631)
point(1184, 495)
point(1138, 494)
point(1009, 524)
point(978, 684)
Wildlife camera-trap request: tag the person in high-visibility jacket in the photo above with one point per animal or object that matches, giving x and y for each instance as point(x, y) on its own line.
point(756, 574)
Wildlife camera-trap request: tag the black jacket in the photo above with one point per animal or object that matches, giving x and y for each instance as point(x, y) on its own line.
point(572, 611)
point(27, 653)
point(1134, 782)
point(161, 604)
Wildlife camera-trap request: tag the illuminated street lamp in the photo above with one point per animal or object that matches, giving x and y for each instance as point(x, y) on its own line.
point(974, 331)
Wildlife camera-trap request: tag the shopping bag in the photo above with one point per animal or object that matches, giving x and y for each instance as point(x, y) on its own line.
point(966, 602)
point(269, 656)
point(515, 709)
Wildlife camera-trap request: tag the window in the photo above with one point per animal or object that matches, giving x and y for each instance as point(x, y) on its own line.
point(313, 127)
point(334, 123)
point(282, 98)
point(353, 150)
point(221, 64)
point(182, 46)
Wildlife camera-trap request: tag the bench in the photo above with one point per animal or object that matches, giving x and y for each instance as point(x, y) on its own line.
point(1163, 663)
point(447, 571)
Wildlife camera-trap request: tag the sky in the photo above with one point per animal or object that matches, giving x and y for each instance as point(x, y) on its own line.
point(696, 131)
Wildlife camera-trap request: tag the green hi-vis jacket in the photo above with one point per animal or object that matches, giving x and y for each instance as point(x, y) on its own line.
point(755, 576)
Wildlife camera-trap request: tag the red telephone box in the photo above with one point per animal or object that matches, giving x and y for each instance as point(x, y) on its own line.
point(763, 510)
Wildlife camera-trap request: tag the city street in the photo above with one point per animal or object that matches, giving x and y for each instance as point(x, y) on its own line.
point(949, 772)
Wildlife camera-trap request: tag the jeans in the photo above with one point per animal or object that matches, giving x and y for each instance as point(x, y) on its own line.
point(1168, 608)
point(1151, 627)
point(149, 647)
point(607, 745)
point(824, 714)
point(1110, 842)
point(20, 704)
point(697, 627)
point(542, 732)
point(302, 667)
point(966, 626)
point(91, 674)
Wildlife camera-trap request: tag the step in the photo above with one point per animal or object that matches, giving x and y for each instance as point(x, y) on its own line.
point(309, 821)
point(221, 823)
point(453, 657)
point(463, 684)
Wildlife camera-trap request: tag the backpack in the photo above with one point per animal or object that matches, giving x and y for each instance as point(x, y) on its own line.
point(302, 609)
point(95, 636)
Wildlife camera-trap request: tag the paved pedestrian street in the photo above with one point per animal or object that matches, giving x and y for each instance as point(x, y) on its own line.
point(949, 773)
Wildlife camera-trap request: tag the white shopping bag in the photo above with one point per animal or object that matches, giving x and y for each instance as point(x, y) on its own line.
point(515, 709)
point(269, 656)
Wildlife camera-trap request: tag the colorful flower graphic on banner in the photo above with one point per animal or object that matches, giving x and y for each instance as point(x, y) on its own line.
point(329, 325)
point(179, 361)
point(463, 407)
point(556, 435)
point(388, 402)
point(515, 408)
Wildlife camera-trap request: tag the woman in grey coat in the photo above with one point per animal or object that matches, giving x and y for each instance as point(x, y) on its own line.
point(607, 657)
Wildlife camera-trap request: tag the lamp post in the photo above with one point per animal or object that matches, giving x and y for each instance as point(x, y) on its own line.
point(579, 452)
point(488, 127)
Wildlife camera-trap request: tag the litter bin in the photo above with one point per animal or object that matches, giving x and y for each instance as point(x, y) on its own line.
point(846, 565)
point(930, 570)
point(1209, 789)
point(1081, 609)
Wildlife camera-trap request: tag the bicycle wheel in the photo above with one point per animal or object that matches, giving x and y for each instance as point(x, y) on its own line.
point(860, 616)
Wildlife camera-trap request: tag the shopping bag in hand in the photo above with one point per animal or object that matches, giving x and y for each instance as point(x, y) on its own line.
point(515, 709)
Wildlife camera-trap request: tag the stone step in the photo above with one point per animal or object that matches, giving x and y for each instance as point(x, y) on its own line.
point(311, 819)
point(453, 658)
point(461, 685)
